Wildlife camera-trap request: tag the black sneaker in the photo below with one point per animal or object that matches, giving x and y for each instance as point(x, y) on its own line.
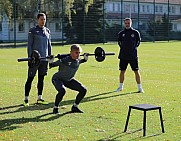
point(55, 111)
point(41, 101)
point(76, 110)
point(25, 104)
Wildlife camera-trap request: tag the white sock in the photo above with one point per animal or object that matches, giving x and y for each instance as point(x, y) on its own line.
point(26, 97)
point(39, 97)
point(121, 85)
point(55, 107)
point(139, 86)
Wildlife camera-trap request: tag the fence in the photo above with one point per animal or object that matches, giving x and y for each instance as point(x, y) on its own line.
point(91, 21)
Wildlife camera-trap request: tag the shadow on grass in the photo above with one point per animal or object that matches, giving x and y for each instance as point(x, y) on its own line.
point(106, 95)
point(21, 108)
point(144, 138)
point(9, 107)
point(118, 136)
point(9, 124)
point(33, 107)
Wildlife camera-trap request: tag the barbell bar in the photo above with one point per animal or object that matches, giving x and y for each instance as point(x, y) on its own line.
point(35, 57)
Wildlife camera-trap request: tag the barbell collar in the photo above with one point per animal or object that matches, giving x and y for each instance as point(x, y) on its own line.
point(24, 59)
point(110, 53)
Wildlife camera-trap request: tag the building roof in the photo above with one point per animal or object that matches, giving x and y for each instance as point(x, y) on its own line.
point(151, 1)
point(163, 1)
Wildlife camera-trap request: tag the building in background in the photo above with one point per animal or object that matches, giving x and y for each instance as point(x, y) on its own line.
point(141, 11)
point(176, 25)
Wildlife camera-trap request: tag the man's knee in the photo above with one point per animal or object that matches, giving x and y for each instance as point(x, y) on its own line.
point(83, 90)
point(61, 91)
point(30, 79)
point(123, 71)
point(136, 72)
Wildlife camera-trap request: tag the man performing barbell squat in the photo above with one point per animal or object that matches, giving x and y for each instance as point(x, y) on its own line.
point(68, 66)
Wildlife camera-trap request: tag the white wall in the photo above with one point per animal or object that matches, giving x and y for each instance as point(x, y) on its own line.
point(176, 25)
point(145, 8)
point(7, 33)
point(4, 35)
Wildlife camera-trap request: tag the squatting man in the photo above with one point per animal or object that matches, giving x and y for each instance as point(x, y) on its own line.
point(68, 66)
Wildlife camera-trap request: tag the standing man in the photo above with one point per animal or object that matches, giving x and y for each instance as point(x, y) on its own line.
point(128, 41)
point(38, 39)
point(68, 66)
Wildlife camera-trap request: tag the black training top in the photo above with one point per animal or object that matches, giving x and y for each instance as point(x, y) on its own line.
point(67, 68)
point(128, 40)
point(39, 39)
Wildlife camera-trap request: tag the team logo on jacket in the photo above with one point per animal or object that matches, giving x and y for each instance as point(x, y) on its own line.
point(132, 35)
point(123, 35)
point(69, 63)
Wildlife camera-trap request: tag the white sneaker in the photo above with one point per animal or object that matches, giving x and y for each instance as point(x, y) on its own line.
point(119, 89)
point(140, 91)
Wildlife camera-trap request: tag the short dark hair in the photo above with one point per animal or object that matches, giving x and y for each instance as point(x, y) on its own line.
point(127, 19)
point(40, 14)
point(76, 47)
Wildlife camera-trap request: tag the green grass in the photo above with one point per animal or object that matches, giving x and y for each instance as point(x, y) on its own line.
point(105, 110)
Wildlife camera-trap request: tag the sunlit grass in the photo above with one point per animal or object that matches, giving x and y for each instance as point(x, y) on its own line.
point(105, 110)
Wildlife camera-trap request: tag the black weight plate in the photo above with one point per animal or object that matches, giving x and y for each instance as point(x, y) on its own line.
point(35, 58)
point(99, 54)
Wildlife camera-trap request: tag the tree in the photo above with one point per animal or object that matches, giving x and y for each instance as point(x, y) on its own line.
point(94, 23)
point(160, 29)
point(166, 26)
point(112, 32)
point(6, 7)
point(86, 22)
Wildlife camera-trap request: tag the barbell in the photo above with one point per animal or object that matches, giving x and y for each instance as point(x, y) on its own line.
point(35, 58)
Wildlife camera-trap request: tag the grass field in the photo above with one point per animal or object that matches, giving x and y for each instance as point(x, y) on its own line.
point(105, 110)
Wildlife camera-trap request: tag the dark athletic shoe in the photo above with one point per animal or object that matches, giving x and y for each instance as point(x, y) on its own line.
point(76, 110)
point(55, 111)
point(25, 104)
point(41, 101)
